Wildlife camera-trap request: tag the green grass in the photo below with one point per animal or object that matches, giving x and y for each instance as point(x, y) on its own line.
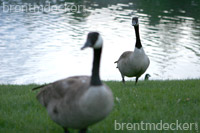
point(148, 101)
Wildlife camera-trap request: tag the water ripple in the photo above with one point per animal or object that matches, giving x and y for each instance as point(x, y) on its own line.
point(43, 47)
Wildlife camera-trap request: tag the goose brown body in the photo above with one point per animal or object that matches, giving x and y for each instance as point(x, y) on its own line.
point(79, 101)
point(133, 64)
point(68, 106)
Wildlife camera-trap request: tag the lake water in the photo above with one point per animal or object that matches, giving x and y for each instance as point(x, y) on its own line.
point(44, 46)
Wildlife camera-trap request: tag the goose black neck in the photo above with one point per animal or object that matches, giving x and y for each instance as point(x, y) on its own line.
point(137, 34)
point(95, 79)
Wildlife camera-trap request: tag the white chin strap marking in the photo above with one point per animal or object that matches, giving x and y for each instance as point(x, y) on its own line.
point(99, 42)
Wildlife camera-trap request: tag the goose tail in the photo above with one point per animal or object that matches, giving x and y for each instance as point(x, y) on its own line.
point(38, 87)
point(116, 62)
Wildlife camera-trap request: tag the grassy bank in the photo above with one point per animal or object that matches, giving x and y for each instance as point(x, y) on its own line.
point(150, 102)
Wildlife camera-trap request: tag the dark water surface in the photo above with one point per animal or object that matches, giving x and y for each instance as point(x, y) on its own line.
point(44, 46)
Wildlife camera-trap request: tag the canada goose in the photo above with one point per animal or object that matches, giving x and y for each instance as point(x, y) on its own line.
point(133, 64)
point(80, 101)
point(147, 76)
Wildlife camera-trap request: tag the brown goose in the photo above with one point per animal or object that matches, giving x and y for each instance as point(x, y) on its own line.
point(80, 101)
point(133, 63)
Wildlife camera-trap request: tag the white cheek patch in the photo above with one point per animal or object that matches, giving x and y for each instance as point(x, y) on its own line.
point(99, 42)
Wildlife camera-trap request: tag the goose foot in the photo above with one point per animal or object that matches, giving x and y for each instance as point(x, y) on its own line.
point(66, 130)
point(123, 81)
point(84, 130)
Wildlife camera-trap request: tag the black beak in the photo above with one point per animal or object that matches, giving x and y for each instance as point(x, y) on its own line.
point(87, 44)
point(134, 23)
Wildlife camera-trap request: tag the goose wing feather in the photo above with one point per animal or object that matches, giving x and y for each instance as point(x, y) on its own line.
point(124, 55)
point(70, 88)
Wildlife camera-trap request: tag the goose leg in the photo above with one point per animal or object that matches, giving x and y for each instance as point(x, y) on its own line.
point(136, 80)
point(66, 130)
point(123, 79)
point(84, 130)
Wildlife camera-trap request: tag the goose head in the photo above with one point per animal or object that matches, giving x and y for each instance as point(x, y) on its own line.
point(147, 76)
point(135, 21)
point(94, 40)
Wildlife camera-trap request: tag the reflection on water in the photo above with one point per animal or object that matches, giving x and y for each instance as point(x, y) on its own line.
point(45, 46)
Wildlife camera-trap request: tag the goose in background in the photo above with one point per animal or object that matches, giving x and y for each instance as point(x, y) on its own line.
point(147, 76)
point(79, 101)
point(133, 63)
